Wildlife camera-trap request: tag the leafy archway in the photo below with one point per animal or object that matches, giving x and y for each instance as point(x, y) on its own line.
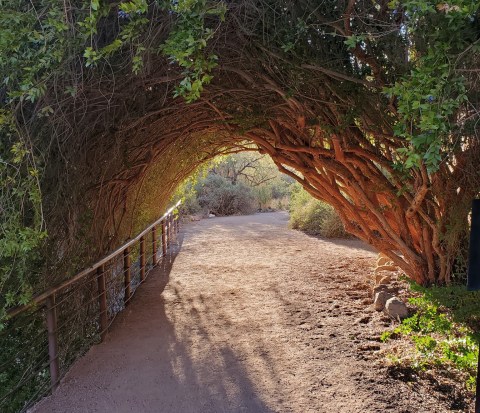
point(371, 106)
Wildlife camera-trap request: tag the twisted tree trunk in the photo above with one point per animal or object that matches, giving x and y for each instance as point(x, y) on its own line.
point(420, 222)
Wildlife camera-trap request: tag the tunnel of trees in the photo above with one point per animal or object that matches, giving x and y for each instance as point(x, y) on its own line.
point(106, 106)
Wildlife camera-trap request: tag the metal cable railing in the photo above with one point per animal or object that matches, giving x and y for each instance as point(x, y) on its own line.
point(44, 337)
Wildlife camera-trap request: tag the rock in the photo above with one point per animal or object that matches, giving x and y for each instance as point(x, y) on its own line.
point(386, 279)
point(378, 288)
point(390, 268)
point(382, 261)
point(211, 215)
point(380, 300)
point(396, 308)
point(382, 279)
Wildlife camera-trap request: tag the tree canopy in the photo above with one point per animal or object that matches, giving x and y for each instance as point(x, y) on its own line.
point(107, 106)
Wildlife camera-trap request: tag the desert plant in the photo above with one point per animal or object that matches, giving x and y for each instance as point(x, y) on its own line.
point(219, 196)
point(313, 216)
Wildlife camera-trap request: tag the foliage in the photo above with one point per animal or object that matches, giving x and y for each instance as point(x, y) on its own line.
point(430, 95)
point(22, 226)
point(249, 168)
point(263, 194)
point(258, 172)
point(132, 20)
point(30, 50)
point(187, 43)
point(257, 176)
point(220, 196)
point(24, 349)
point(444, 331)
point(187, 190)
point(313, 216)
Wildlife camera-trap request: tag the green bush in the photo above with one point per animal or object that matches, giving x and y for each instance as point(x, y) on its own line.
point(313, 216)
point(188, 194)
point(242, 183)
point(219, 196)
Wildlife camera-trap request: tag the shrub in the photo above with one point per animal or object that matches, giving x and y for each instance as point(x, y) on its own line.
point(263, 196)
point(332, 225)
point(220, 196)
point(313, 216)
point(188, 195)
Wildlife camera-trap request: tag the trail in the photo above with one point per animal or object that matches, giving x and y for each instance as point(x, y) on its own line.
point(248, 317)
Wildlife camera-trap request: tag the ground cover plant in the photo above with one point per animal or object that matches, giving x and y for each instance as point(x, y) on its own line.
point(442, 336)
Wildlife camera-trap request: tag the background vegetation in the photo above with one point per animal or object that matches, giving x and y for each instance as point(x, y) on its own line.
point(241, 183)
point(244, 183)
point(313, 216)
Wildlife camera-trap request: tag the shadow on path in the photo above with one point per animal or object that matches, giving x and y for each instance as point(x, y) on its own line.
point(144, 365)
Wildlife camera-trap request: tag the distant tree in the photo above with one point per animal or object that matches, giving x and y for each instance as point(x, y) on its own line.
point(246, 167)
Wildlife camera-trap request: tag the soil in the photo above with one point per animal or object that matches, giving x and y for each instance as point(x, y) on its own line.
point(250, 317)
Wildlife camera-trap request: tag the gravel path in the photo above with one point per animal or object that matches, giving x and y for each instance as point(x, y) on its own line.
point(249, 317)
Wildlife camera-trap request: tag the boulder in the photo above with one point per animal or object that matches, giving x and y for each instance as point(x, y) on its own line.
point(378, 288)
point(396, 308)
point(381, 299)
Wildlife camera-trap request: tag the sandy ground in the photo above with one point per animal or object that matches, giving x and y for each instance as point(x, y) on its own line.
point(249, 317)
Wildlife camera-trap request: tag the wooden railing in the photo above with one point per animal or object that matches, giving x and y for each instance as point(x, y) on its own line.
point(93, 290)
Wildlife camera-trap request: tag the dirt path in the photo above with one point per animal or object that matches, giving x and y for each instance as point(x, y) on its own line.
point(252, 317)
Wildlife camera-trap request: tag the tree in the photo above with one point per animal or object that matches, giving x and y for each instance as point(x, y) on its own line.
point(247, 167)
point(371, 106)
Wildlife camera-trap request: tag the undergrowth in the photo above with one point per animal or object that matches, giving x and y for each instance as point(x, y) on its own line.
point(444, 332)
point(313, 216)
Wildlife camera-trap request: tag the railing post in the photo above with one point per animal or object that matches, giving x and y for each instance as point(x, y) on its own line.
point(102, 301)
point(154, 245)
point(52, 340)
point(169, 231)
point(142, 259)
point(127, 274)
point(164, 238)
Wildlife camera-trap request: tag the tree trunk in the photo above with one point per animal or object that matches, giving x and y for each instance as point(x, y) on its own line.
point(407, 218)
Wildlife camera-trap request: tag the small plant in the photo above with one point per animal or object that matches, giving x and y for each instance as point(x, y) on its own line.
point(442, 331)
point(385, 336)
